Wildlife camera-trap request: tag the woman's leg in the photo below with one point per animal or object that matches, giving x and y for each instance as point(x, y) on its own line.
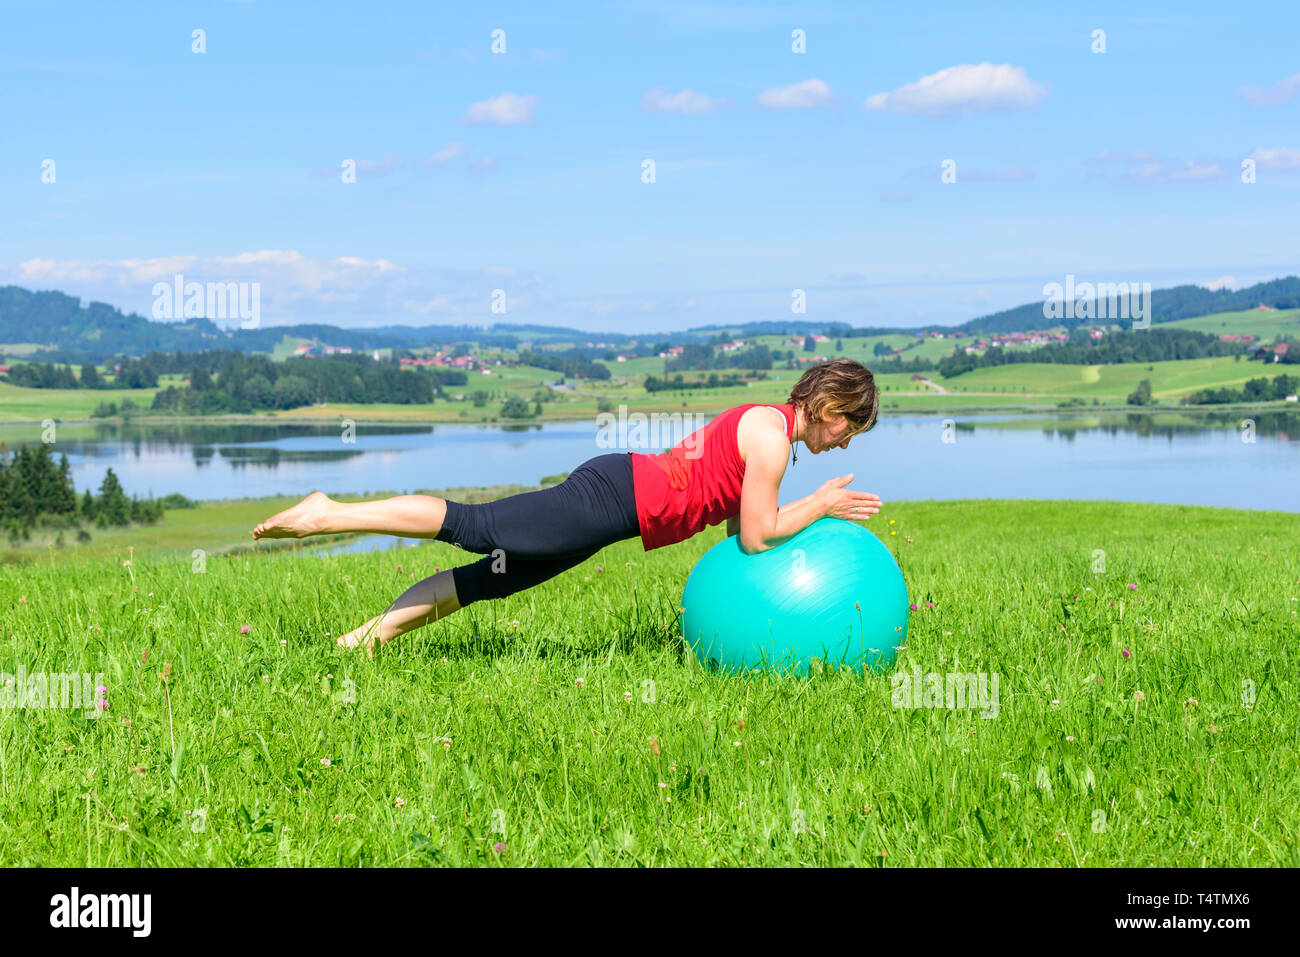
point(426, 601)
point(413, 516)
point(531, 537)
point(440, 595)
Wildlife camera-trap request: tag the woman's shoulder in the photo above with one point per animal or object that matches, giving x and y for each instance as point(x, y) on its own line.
point(760, 415)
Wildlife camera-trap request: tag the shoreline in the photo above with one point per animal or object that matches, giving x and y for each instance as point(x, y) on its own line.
point(332, 419)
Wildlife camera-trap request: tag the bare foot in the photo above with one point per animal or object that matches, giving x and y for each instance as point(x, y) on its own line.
point(364, 637)
point(306, 518)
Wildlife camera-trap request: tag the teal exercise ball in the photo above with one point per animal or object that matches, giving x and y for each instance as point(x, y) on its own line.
point(833, 593)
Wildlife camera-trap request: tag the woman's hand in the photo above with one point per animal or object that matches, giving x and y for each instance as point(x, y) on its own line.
point(840, 502)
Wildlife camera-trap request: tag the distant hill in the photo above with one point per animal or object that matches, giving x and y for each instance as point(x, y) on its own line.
point(59, 321)
point(1178, 302)
point(66, 331)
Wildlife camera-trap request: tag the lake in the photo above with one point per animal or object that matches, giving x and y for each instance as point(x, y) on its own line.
point(1206, 459)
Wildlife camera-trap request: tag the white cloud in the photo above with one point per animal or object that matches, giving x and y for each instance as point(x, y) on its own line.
point(967, 88)
point(1142, 166)
point(446, 154)
point(1281, 92)
point(807, 95)
point(443, 303)
point(1282, 158)
point(660, 99)
point(508, 109)
point(344, 290)
point(1223, 282)
point(383, 167)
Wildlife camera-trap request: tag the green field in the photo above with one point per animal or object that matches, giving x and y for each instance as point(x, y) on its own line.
point(1169, 380)
point(18, 404)
point(1262, 325)
point(566, 725)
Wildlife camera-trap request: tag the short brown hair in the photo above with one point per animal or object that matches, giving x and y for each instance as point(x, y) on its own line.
point(839, 387)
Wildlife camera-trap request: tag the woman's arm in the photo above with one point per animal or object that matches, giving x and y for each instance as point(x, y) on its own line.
point(763, 524)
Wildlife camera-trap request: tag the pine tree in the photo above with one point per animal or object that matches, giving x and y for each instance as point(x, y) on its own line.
point(113, 505)
point(65, 492)
point(90, 378)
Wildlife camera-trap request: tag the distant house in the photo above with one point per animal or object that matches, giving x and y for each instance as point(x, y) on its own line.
point(918, 377)
point(1096, 333)
point(4, 370)
point(1291, 398)
point(1264, 308)
point(1263, 352)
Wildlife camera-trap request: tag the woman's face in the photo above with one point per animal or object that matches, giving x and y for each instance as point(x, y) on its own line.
point(834, 433)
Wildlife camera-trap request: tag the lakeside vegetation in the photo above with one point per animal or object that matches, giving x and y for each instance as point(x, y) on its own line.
point(37, 492)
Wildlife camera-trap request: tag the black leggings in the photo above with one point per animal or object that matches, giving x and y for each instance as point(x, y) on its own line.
point(533, 536)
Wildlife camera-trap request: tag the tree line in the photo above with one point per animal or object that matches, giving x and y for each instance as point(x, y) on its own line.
point(130, 374)
point(1254, 390)
point(233, 382)
point(703, 358)
point(714, 381)
point(35, 489)
point(571, 363)
point(1144, 345)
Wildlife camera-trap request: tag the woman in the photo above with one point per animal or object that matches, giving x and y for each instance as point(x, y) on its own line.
point(730, 469)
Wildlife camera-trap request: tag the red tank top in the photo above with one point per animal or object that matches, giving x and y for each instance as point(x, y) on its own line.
point(696, 482)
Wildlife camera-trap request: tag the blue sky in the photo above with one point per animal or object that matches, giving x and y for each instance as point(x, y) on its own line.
point(522, 171)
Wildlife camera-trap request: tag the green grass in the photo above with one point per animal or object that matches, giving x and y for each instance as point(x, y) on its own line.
point(19, 404)
point(1262, 325)
point(19, 349)
point(476, 731)
point(1169, 380)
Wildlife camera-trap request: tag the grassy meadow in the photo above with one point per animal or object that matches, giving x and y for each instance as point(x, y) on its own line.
point(1146, 654)
point(1262, 324)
